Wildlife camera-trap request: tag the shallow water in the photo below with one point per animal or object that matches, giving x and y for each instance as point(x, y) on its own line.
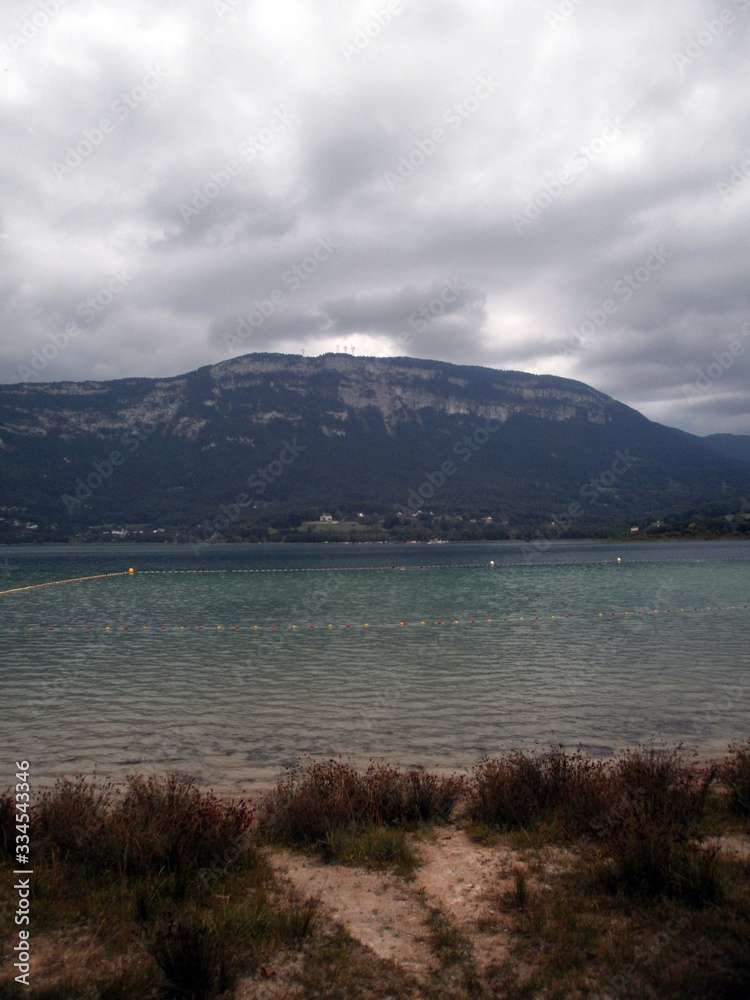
point(84, 686)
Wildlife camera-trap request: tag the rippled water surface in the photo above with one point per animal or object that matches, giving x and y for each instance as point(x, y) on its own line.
point(150, 671)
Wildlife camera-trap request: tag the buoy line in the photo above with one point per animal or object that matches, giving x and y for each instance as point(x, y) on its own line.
point(277, 569)
point(307, 569)
point(57, 583)
point(377, 625)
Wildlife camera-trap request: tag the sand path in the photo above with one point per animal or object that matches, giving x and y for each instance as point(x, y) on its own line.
point(390, 915)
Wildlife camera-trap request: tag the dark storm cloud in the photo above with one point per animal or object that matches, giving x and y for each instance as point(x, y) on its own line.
point(557, 186)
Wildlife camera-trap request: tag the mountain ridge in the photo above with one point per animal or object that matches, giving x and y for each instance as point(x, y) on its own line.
point(293, 434)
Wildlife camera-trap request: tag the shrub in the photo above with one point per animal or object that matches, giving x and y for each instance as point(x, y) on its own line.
point(71, 820)
point(7, 824)
point(157, 825)
point(734, 775)
point(659, 787)
point(508, 791)
point(521, 791)
point(652, 830)
point(429, 797)
point(168, 823)
point(195, 957)
point(307, 805)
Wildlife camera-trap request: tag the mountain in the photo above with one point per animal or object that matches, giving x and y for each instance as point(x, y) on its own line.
point(735, 446)
point(266, 441)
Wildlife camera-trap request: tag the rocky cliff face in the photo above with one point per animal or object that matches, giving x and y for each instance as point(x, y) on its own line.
point(397, 390)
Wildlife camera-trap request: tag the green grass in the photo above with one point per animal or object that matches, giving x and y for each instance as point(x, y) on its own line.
point(446, 940)
point(334, 967)
point(371, 847)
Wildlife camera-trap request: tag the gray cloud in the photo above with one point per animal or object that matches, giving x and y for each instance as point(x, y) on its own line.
point(535, 153)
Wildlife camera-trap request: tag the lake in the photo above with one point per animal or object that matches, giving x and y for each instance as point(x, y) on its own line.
point(420, 654)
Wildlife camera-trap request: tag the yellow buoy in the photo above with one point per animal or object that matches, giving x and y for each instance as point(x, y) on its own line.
point(130, 571)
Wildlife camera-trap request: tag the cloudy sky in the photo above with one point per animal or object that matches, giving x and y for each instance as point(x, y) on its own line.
point(557, 186)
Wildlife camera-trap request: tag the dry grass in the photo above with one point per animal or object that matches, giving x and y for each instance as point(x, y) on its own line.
point(572, 939)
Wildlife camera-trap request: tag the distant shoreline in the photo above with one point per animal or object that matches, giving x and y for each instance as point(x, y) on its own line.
point(503, 542)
